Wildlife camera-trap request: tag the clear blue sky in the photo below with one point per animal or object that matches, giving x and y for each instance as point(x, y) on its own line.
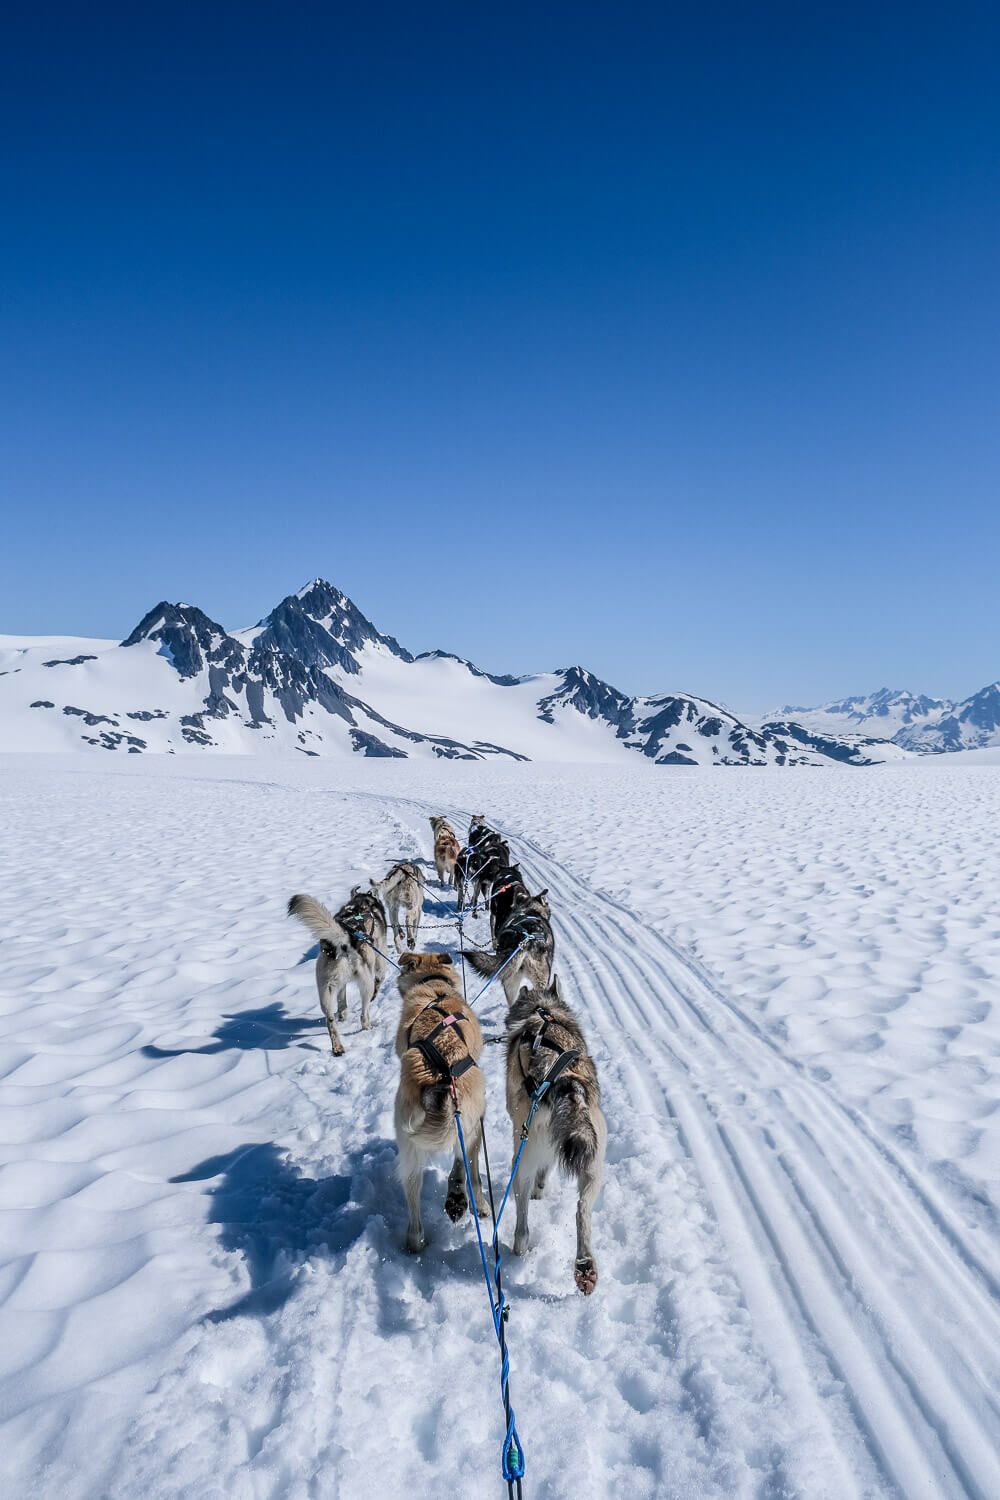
point(660, 338)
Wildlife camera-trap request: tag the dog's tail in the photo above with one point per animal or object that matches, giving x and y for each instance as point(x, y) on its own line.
point(321, 923)
point(434, 1114)
point(571, 1126)
point(483, 963)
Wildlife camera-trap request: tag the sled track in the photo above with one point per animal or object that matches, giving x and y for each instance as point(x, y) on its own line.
point(852, 1296)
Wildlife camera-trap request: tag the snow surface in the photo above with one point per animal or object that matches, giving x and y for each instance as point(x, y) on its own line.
point(790, 987)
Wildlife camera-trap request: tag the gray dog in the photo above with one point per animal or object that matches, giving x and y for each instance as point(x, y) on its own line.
point(402, 892)
point(346, 954)
point(569, 1129)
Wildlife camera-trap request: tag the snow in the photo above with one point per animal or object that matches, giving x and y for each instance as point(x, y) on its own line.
point(789, 982)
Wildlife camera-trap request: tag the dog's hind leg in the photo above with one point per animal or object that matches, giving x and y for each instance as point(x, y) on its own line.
point(457, 1199)
point(411, 1175)
point(523, 1184)
point(585, 1272)
point(326, 1000)
point(368, 983)
point(475, 1145)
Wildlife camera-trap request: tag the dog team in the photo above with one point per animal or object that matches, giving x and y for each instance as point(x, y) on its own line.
point(439, 1041)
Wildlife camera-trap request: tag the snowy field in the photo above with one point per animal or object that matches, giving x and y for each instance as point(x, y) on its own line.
point(790, 982)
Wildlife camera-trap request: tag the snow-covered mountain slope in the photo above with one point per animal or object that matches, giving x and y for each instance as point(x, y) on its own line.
point(912, 721)
point(317, 677)
point(972, 724)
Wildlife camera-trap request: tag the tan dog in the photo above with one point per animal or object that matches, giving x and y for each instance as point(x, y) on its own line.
point(438, 1044)
point(446, 850)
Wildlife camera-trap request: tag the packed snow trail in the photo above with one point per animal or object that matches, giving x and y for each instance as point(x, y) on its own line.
point(785, 1309)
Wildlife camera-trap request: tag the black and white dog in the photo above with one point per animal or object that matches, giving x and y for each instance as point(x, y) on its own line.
point(525, 944)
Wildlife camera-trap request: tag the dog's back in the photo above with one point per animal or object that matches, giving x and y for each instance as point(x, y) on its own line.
point(571, 1106)
point(428, 984)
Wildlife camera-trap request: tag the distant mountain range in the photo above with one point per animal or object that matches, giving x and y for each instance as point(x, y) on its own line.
point(925, 726)
point(316, 677)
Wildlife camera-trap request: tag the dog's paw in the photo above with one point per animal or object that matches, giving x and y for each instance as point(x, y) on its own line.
point(520, 1245)
point(455, 1205)
point(483, 1209)
point(415, 1243)
point(338, 1049)
point(586, 1276)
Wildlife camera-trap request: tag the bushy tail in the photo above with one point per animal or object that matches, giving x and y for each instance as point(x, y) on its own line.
point(434, 1112)
point(483, 963)
point(314, 914)
point(571, 1126)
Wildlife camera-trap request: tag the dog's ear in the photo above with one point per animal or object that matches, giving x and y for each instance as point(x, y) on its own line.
point(408, 960)
point(446, 958)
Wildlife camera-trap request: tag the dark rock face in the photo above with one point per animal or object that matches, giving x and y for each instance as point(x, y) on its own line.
point(848, 752)
point(70, 661)
point(41, 703)
point(586, 693)
point(88, 718)
point(982, 710)
point(187, 637)
point(321, 627)
point(370, 745)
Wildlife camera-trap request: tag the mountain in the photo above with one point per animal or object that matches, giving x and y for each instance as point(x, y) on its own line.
point(913, 722)
point(317, 677)
point(882, 713)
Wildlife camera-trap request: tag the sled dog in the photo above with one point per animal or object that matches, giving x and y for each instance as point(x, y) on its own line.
point(509, 890)
point(524, 944)
point(491, 856)
point(402, 894)
point(438, 1043)
point(465, 864)
point(569, 1129)
point(446, 850)
point(344, 956)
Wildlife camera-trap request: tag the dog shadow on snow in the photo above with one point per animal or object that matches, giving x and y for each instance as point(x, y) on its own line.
point(280, 1220)
point(267, 1026)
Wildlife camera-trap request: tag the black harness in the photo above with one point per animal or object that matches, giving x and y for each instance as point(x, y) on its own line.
point(520, 929)
point(433, 1056)
point(360, 912)
point(565, 1058)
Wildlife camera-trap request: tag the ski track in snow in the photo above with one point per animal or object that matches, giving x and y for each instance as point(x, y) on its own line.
point(202, 1290)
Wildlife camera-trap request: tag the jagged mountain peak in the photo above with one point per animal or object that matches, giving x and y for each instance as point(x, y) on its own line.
point(187, 637)
point(321, 627)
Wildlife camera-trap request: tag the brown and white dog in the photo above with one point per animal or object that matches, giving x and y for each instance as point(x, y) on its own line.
point(569, 1129)
point(438, 1043)
point(446, 850)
